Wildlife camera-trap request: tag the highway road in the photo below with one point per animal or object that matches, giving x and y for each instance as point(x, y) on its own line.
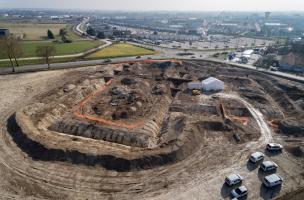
point(162, 55)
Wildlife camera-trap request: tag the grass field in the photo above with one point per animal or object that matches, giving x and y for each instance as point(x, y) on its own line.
point(32, 31)
point(29, 47)
point(70, 34)
point(120, 50)
point(113, 51)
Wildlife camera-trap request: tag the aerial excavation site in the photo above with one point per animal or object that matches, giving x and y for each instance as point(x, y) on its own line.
point(151, 129)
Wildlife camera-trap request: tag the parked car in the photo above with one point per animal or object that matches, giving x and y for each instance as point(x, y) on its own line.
point(274, 69)
point(272, 180)
point(274, 147)
point(256, 157)
point(138, 57)
point(108, 60)
point(268, 166)
point(233, 179)
point(239, 192)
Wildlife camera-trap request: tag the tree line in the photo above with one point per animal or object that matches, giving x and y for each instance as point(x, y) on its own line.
point(63, 33)
point(11, 48)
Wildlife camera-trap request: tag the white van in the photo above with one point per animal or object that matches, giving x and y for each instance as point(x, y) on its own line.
point(268, 166)
point(256, 157)
point(233, 179)
point(272, 180)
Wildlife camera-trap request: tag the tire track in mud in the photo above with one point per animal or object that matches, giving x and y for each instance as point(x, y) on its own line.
point(266, 133)
point(240, 153)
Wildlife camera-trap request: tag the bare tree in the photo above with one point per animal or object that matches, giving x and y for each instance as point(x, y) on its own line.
point(47, 52)
point(10, 46)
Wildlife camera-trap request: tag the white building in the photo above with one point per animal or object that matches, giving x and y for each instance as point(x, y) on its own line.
point(248, 53)
point(212, 83)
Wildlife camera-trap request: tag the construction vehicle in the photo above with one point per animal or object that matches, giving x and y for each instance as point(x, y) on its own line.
point(196, 92)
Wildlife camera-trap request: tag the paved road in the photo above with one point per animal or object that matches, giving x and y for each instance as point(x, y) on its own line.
point(32, 68)
point(276, 73)
point(205, 55)
point(163, 54)
point(79, 29)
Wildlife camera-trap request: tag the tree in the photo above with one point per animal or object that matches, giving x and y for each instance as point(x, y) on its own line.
point(65, 39)
point(268, 61)
point(62, 32)
point(50, 34)
point(101, 35)
point(46, 52)
point(10, 46)
point(91, 31)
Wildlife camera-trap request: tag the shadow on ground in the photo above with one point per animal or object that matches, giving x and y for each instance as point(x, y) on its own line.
point(269, 193)
point(226, 190)
point(262, 174)
point(252, 166)
point(38, 152)
point(272, 153)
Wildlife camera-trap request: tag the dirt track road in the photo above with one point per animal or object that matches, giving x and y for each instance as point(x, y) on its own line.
point(266, 133)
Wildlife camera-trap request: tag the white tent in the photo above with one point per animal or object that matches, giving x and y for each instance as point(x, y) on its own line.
point(248, 53)
point(212, 83)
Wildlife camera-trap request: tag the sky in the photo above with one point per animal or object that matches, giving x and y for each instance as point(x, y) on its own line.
point(163, 5)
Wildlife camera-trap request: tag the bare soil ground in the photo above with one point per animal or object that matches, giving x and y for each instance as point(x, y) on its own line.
point(183, 149)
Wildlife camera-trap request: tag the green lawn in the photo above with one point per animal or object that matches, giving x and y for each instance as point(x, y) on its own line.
point(37, 62)
point(121, 50)
point(115, 50)
point(70, 34)
point(29, 47)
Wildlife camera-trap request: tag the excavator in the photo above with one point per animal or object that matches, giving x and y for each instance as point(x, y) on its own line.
point(196, 92)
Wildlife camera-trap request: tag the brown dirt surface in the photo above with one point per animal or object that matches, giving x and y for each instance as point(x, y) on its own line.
point(183, 147)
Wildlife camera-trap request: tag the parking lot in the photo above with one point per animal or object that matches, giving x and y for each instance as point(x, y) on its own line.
point(214, 187)
point(219, 43)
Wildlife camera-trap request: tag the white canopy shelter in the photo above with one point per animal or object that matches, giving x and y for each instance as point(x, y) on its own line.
point(212, 83)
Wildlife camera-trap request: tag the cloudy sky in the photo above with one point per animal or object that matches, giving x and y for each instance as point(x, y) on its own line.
point(143, 5)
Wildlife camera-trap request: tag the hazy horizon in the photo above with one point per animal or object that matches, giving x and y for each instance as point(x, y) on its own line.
point(158, 5)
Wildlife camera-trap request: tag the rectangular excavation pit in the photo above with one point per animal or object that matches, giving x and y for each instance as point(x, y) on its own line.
point(213, 126)
point(194, 109)
point(77, 128)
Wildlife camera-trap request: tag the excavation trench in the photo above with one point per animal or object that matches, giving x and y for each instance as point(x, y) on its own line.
point(39, 152)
